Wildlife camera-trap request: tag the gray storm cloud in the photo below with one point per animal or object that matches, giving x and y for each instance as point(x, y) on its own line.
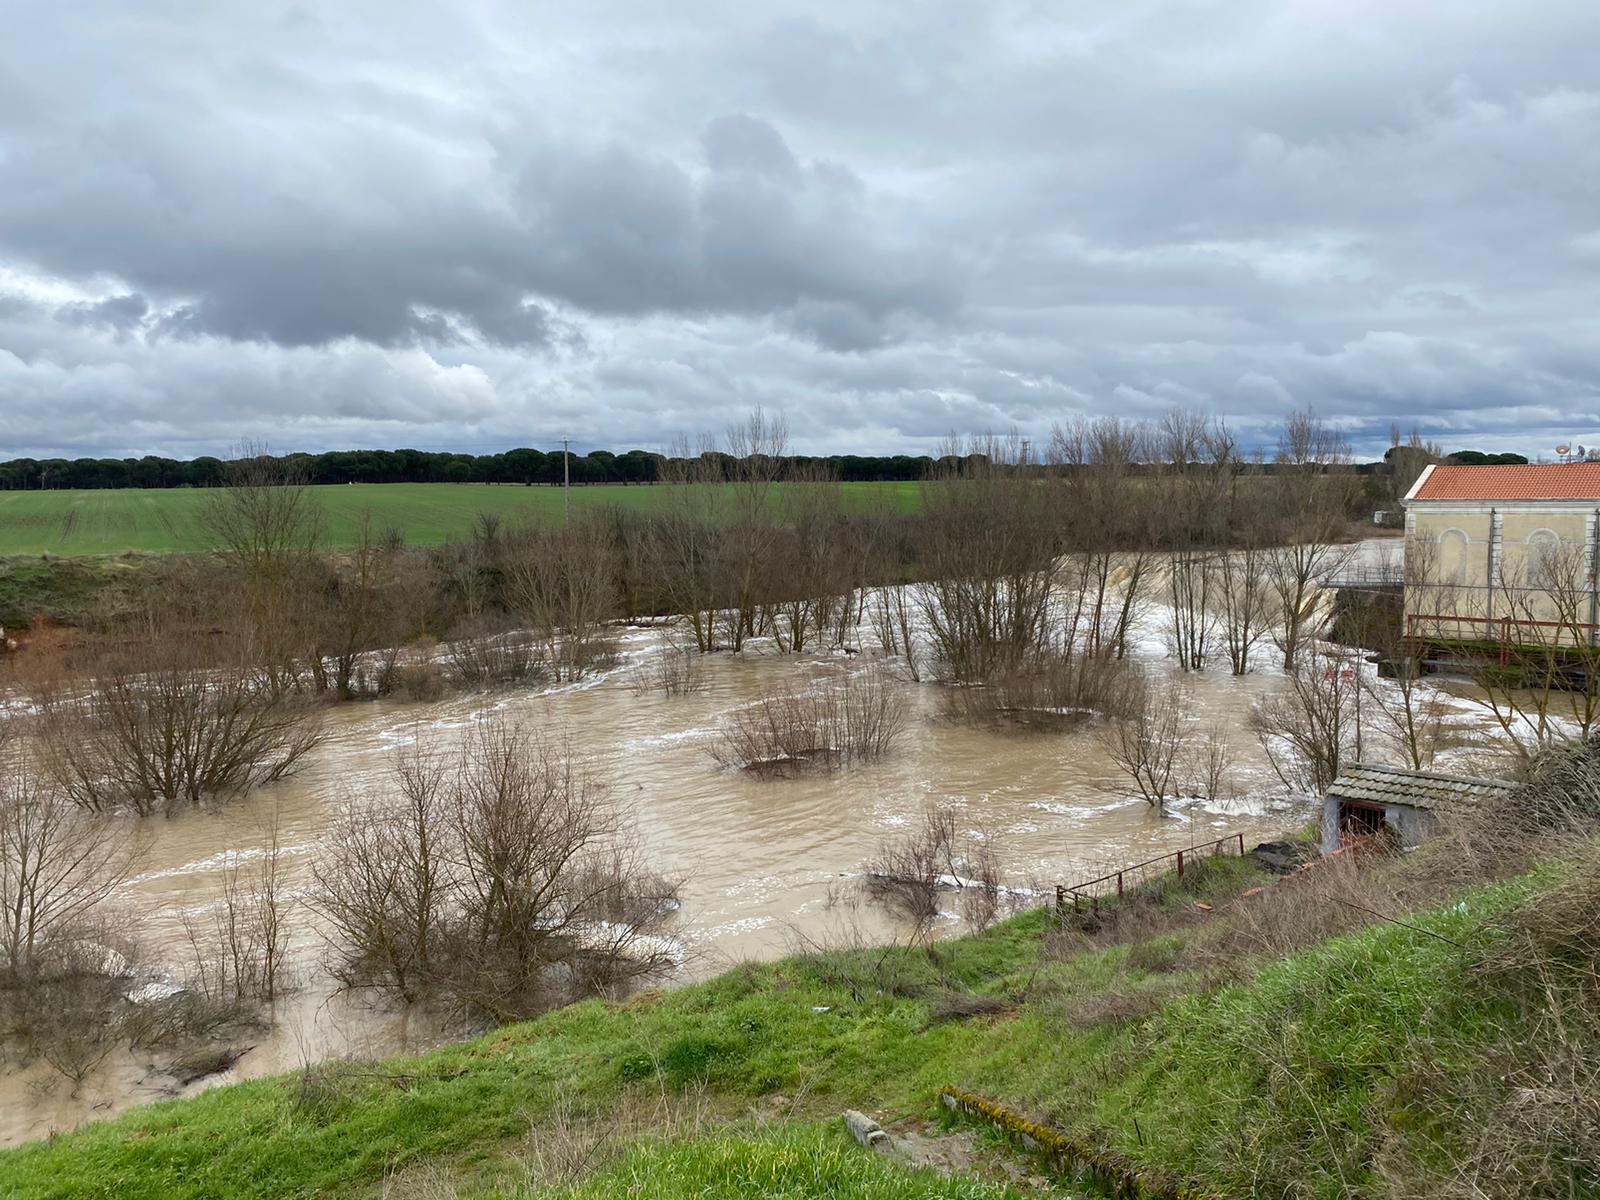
point(490, 225)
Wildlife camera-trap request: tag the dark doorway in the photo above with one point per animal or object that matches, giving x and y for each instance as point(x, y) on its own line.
point(1357, 820)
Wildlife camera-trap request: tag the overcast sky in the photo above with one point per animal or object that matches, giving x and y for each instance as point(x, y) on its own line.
point(481, 225)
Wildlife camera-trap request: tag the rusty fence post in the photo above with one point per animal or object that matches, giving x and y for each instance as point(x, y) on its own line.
point(1180, 864)
point(1061, 904)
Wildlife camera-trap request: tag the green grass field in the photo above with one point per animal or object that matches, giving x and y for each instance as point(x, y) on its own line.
point(1292, 1079)
point(167, 520)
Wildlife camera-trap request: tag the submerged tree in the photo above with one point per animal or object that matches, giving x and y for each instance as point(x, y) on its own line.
point(497, 878)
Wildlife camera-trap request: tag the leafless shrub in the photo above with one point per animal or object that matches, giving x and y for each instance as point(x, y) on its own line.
point(673, 670)
point(355, 617)
point(238, 943)
point(1308, 729)
point(911, 872)
point(1154, 954)
point(895, 625)
point(73, 1012)
point(1148, 744)
point(267, 525)
point(384, 882)
point(157, 724)
point(498, 879)
point(58, 865)
point(964, 1006)
point(1558, 805)
point(858, 718)
point(481, 654)
point(183, 1018)
point(1211, 763)
point(1336, 895)
point(413, 673)
point(325, 1090)
point(1113, 1006)
point(1058, 690)
point(988, 547)
point(1526, 1120)
point(562, 581)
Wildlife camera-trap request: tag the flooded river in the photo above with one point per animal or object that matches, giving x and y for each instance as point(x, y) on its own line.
point(760, 859)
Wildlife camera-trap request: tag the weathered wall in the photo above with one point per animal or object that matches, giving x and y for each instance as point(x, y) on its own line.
point(1529, 562)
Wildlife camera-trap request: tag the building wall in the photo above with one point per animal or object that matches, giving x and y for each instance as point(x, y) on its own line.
point(1479, 561)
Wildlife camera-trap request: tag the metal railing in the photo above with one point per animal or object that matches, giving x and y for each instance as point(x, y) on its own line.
point(1118, 883)
point(1366, 576)
point(1504, 633)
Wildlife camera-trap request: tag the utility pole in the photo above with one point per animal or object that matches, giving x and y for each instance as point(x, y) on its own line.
point(566, 482)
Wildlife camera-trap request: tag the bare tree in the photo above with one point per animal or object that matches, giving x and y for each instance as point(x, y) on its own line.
point(564, 583)
point(1539, 675)
point(1200, 465)
point(1242, 575)
point(989, 553)
point(1409, 712)
point(58, 864)
point(1312, 727)
point(238, 943)
point(1311, 494)
point(1212, 763)
point(385, 880)
point(688, 546)
point(672, 670)
point(1406, 460)
point(355, 614)
point(500, 879)
point(1108, 535)
point(266, 525)
point(160, 719)
point(808, 571)
point(1148, 743)
point(755, 463)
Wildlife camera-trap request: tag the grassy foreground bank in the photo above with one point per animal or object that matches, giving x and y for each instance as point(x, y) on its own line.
point(1315, 1073)
point(166, 520)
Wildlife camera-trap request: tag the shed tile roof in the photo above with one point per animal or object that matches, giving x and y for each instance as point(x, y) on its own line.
point(1535, 481)
point(1379, 784)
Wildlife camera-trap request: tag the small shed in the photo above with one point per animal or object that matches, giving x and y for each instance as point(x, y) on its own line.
point(1369, 798)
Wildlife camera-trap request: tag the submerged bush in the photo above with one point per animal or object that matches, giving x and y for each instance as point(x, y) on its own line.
point(857, 719)
point(497, 879)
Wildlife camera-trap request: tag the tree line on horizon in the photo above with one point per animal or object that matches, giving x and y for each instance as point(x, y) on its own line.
point(523, 466)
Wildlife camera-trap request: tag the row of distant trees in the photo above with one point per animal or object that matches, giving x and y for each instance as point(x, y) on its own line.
point(519, 466)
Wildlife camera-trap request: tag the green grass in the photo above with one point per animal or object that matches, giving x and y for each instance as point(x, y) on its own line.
point(76, 591)
point(113, 521)
point(1287, 1080)
point(795, 1162)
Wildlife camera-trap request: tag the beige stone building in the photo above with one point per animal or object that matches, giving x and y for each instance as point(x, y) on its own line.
point(1507, 553)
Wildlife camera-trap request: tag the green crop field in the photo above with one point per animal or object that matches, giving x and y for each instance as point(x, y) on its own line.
point(164, 520)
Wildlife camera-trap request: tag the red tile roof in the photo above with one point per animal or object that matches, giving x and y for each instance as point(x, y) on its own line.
point(1536, 481)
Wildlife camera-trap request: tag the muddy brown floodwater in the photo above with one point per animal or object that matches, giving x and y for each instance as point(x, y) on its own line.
point(760, 858)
